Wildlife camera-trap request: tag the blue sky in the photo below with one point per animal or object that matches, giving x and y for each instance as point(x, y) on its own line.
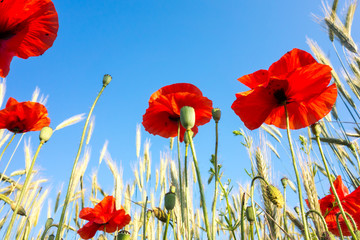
point(145, 45)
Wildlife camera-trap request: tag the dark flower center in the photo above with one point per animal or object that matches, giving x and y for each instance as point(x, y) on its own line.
point(7, 35)
point(280, 96)
point(174, 118)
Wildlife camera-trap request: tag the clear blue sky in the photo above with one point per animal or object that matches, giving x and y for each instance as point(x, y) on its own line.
point(145, 45)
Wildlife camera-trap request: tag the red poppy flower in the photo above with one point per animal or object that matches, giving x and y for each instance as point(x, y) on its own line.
point(27, 28)
point(103, 217)
point(297, 80)
point(163, 114)
point(23, 117)
point(350, 203)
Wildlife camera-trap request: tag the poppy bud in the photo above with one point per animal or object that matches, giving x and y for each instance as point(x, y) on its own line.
point(297, 210)
point(45, 134)
point(170, 199)
point(123, 235)
point(106, 79)
point(51, 237)
point(284, 182)
point(186, 136)
point(160, 214)
point(316, 129)
point(21, 211)
point(216, 114)
point(250, 215)
point(327, 236)
point(275, 196)
point(187, 117)
point(48, 223)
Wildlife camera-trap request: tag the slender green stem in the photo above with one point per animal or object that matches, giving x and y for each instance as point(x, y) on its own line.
point(338, 201)
point(144, 228)
point(201, 188)
point(252, 231)
point(284, 212)
point(167, 225)
point(7, 145)
point(338, 226)
point(252, 201)
point(68, 192)
point(22, 193)
point(180, 178)
point(242, 217)
point(216, 181)
point(174, 231)
point(187, 190)
point(302, 211)
point(186, 164)
point(320, 216)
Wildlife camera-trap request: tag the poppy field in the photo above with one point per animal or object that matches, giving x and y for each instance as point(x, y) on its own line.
point(302, 103)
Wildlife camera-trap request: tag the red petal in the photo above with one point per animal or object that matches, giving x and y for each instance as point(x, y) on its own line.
point(175, 88)
point(88, 230)
point(11, 101)
point(340, 188)
point(290, 61)
point(119, 220)
point(255, 79)
point(5, 60)
point(104, 210)
point(254, 106)
point(87, 214)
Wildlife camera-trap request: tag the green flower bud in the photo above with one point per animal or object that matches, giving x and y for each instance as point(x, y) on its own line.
point(170, 199)
point(316, 129)
point(275, 196)
point(250, 215)
point(51, 237)
point(187, 117)
point(216, 114)
point(123, 235)
point(186, 136)
point(45, 134)
point(21, 211)
point(106, 79)
point(297, 210)
point(284, 181)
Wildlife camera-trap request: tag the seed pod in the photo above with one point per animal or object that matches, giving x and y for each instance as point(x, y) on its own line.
point(170, 199)
point(187, 117)
point(106, 79)
point(275, 196)
point(284, 181)
point(123, 235)
point(216, 114)
point(250, 215)
point(316, 129)
point(45, 134)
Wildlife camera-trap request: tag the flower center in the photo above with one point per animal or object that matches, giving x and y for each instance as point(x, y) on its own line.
point(6, 35)
point(174, 118)
point(280, 96)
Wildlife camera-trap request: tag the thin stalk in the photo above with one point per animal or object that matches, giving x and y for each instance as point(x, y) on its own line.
point(179, 170)
point(302, 211)
point(242, 218)
point(187, 190)
point(338, 226)
point(333, 189)
point(7, 145)
point(173, 217)
point(22, 193)
point(252, 231)
point(67, 198)
point(144, 228)
point(284, 213)
point(167, 225)
point(216, 181)
point(320, 216)
point(201, 188)
point(252, 201)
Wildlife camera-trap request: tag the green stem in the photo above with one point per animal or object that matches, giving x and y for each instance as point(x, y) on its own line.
point(144, 228)
point(320, 216)
point(179, 171)
point(302, 211)
point(201, 188)
point(338, 201)
point(242, 217)
point(167, 225)
point(22, 193)
point(7, 145)
point(339, 227)
point(216, 181)
point(252, 201)
point(252, 231)
point(187, 189)
point(68, 192)
point(284, 212)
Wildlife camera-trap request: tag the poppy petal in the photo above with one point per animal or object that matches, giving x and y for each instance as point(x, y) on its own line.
point(255, 79)
point(340, 188)
point(176, 88)
point(88, 230)
point(104, 210)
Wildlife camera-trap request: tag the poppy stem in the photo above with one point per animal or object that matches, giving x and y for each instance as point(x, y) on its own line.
point(201, 188)
point(144, 228)
point(320, 216)
point(242, 217)
point(334, 190)
point(180, 172)
point(284, 212)
point(186, 187)
point(7, 145)
point(68, 192)
point(167, 225)
point(216, 182)
point(306, 229)
point(22, 193)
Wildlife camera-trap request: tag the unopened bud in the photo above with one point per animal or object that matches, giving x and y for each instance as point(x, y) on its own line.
point(51, 237)
point(216, 114)
point(48, 223)
point(123, 235)
point(284, 181)
point(106, 79)
point(316, 129)
point(45, 134)
point(250, 215)
point(275, 196)
point(187, 117)
point(170, 199)
point(297, 210)
point(21, 211)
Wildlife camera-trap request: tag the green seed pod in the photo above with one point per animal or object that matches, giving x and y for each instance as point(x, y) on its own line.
point(21, 211)
point(123, 235)
point(51, 237)
point(45, 134)
point(186, 138)
point(327, 236)
point(275, 196)
point(316, 129)
point(216, 114)
point(284, 181)
point(187, 117)
point(250, 215)
point(160, 214)
point(106, 79)
point(170, 199)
